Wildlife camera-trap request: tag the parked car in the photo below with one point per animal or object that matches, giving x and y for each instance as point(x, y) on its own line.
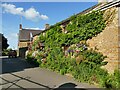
point(12, 53)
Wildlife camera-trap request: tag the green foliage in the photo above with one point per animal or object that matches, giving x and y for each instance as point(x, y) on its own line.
point(42, 38)
point(4, 42)
point(94, 57)
point(86, 26)
point(116, 80)
point(86, 72)
point(111, 81)
point(32, 60)
point(81, 27)
point(6, 51)
point(29, 57)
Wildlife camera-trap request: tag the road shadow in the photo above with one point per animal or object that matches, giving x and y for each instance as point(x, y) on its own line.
point(68, 86)
point(21, 78)
point(10, 65)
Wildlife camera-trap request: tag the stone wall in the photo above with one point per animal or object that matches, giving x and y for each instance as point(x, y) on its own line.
point(23, 44)
point(107, 41)
point(35, 38)
point(119, 35)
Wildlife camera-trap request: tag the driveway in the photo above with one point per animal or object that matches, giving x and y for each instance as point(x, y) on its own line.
point(17, 73)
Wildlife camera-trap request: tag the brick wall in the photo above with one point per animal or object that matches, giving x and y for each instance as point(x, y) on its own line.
point(107, 41)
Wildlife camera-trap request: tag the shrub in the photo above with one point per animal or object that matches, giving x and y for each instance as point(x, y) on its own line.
point(6, 51)
point(31, 59)
point(94, 57)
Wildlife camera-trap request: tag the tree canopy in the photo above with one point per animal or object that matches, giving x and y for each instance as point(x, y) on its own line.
point(4, 42)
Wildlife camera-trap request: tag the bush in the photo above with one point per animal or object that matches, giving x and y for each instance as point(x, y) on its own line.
point(94, 57)
point(6, 51)
point(31, 59)
point(110, 81)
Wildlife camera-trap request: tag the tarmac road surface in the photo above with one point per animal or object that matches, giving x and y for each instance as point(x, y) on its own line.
point(17, 73)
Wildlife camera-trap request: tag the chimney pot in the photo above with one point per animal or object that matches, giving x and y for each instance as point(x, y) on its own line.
point(20, 27)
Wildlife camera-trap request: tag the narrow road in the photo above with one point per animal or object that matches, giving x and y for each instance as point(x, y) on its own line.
point(17, 73)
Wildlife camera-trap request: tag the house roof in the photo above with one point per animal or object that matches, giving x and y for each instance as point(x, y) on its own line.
point(24, 34)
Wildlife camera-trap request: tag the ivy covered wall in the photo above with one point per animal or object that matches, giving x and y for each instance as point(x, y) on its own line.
point(81, 27)
point(66, 50)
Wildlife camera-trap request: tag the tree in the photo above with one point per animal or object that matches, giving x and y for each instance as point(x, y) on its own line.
point(3, 42)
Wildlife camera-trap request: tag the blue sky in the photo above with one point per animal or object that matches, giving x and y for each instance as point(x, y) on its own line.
point(36, 15)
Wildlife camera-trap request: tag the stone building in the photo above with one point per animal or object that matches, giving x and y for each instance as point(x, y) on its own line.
point(25, 39)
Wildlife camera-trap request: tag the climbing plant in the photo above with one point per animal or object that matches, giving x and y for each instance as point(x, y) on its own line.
point(85, 65)
point(81, 27)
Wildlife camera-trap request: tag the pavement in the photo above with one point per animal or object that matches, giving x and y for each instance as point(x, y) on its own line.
point(17, 73)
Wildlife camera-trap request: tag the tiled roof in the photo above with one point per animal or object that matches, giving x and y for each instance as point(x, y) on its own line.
point(24, 34)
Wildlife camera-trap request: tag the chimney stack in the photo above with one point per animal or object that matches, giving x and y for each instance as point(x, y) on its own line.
point(102, 1)
point(20, 27)
point(47, 26)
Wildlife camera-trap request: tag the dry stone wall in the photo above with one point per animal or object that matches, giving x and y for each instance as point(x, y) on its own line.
point(107, 41)
point(119, 37)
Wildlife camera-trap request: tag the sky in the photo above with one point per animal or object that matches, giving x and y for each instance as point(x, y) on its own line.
point(35, 15)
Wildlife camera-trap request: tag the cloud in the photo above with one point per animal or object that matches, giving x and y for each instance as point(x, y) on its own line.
point(44, 17)
point(9, 8)
point(30, 14)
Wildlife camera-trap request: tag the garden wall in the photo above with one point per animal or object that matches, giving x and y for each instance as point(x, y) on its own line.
point(107, 41)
